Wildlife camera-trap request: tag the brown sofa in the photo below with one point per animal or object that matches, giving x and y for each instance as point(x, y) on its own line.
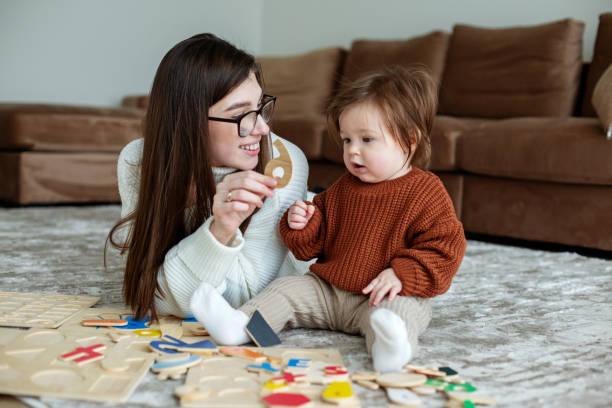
point(516, 140)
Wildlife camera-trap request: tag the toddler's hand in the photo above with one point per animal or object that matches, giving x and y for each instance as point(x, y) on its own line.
point(299, 214)
point(385, 283)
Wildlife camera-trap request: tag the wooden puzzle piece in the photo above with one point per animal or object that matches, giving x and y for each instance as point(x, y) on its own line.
point(287, 400)
point(84, 355)
point(104, 322)
point(283, 161)
point(423, 390)
point(242, 352)
point(170, 344)
point(474, 397)
point(263, 367)
point(23, 309)
point(370, 385)
point(260, 331)
point(401, 380)
point(340, 393)
point(130, 351)
point(365, 375)
point(403, 396)
point(336, 373)
point(174, 369)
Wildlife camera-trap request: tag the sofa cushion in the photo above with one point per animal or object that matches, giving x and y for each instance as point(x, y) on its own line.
point(568, 150)
point(53, 177)
point(510, 72)
point(369, 55)
point(302, 83)
point(305, 132)
point(444, 134)
point(602, 100)
point(67, 128)
point(602, 58)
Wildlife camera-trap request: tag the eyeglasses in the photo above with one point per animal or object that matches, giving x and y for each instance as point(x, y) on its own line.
point(247, 121)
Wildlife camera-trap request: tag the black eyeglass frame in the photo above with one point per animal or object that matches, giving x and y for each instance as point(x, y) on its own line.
point(271, 99)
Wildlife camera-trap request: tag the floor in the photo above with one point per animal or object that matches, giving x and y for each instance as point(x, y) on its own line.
point(530, 328)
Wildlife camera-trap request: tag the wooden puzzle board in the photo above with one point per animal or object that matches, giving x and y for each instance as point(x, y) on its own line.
point(224, 382)
point(30, 364)
point(43, 310)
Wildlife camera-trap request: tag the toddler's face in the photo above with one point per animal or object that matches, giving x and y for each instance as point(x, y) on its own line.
point(370, 151)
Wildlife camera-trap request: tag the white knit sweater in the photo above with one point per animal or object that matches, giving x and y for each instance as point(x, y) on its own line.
point(239, 270)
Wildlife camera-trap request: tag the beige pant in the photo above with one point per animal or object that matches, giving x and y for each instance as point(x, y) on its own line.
point(310, 302)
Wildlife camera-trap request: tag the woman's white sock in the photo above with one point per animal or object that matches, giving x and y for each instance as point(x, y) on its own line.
point(224, 323)
point(391, 348)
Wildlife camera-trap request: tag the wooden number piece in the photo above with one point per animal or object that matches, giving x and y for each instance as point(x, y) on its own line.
point(283, 161)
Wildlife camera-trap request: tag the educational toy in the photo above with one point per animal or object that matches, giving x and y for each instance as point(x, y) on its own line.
point(42, 310)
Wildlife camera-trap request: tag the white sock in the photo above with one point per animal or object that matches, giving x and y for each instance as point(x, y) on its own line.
point(391, 349)
point(224, 323)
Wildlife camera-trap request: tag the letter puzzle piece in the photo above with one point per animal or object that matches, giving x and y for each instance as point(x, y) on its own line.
point(403, 396)
point(340, 393)
point(171, 345)
point(84, 355)
point(42, 310)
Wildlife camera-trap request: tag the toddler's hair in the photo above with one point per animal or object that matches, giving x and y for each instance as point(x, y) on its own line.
point(407, 98)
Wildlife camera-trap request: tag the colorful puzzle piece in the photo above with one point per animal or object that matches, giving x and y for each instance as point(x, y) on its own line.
point(84, 355)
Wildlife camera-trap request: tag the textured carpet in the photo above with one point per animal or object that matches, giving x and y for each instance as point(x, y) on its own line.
point(529, 328)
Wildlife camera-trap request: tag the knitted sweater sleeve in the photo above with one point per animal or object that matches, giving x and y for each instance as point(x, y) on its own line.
point(307, 243)
point(435, 245)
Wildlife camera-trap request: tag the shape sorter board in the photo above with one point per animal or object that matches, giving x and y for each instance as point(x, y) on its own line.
point(20, 309)
point(224, 382)
point(31, 364)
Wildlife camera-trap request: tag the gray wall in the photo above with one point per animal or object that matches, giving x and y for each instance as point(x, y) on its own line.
point(95, 52)
point(92, 52)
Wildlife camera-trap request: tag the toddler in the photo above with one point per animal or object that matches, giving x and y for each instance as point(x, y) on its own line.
point(385, 235)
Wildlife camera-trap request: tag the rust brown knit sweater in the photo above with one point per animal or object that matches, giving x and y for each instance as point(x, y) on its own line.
point(359, 229)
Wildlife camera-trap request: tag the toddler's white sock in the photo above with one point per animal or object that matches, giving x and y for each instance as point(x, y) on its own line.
point(390, 349)
point(224, 323)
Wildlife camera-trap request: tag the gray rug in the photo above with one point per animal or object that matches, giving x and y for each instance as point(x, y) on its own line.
point(529, 328)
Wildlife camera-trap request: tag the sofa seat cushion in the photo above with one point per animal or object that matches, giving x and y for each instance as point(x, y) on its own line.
point(444, 135)
point(32, 177)
point(67, 128)
point(369, 55)
point(567, 150)
point(513, 72)
point(304, 131)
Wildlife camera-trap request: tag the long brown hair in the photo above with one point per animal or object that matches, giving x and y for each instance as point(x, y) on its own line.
point(194, 75)
point(407, 98)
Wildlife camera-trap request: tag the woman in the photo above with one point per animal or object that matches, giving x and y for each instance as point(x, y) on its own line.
point(194, 198)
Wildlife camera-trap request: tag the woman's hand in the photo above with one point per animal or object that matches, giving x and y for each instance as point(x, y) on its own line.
point(237, 197)
point(299, 214)
point(385, 283)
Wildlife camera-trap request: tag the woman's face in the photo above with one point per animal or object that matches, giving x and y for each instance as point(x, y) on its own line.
point(227, 149)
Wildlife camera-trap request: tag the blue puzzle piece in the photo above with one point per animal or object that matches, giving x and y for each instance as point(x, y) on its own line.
point(134, 324)
point(174, 342)
point(264, 366)
point(299, 362)
point(170, 364)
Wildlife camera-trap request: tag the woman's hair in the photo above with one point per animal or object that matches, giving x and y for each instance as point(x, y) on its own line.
point(407, 99)
point(176, 166)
